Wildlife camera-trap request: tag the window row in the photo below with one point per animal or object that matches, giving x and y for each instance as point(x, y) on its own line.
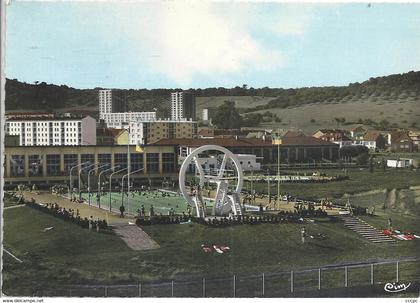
point(53, 163)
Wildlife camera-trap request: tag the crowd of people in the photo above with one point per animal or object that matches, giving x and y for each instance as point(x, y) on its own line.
point(70, 215)
point(280, 217)
point(58, 189)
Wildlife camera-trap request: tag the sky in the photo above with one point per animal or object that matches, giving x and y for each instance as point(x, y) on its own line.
point(179, 44)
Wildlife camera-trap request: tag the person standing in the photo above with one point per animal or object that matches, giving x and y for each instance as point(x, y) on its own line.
point(390, 223)
point(90, 223)
point(122, 210)
point(303, 234)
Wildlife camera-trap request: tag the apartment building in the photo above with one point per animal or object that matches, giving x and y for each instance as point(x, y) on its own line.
point(149, 132)
point(183, 106)
point(116, 120)
point(50, 130)
point(111, 101)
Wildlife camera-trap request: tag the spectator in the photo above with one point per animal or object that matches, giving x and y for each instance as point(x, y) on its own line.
point(90, 223)
point(303, 234)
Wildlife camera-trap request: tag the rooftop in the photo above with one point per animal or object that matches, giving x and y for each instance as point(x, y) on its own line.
point(371, 135)
point(44, 118)
point(300, 140)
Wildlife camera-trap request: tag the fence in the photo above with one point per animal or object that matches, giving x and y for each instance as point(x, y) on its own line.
point(312, 165)
point(309, 282)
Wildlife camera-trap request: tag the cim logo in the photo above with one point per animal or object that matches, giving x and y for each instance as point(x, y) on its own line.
point(396, 287)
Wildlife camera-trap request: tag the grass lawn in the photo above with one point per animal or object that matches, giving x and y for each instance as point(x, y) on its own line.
point(360, 181)
point(69, 254)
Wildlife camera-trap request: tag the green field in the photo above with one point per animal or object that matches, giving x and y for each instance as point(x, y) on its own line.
point(402, 110)
point(69, 254)
point(312, 117)
point(361, 180)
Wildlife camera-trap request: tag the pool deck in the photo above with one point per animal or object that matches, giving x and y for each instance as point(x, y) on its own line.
point(113, 217)
point(84, 209)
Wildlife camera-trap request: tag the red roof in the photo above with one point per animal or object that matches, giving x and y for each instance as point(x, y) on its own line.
point(293, 133)
point(372, 135)
point(334, 137)
point(398, 136)
point(211, 132)
point(303, 140)
point(226, 142)
point(358, 128)
point(300, 140)
point(115, 132)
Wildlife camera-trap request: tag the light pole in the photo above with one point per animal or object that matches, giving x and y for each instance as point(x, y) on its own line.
point(252, 177)
point(99, 182)
point(93, 169)
point(122, 186)
point(80, 171)
point(71, 180)
point(268, 186)
point(128, 161)
point(110, 183)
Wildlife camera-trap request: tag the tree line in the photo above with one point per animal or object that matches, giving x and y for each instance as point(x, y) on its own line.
point(40, 95)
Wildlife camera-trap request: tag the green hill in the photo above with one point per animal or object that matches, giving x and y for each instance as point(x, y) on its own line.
point(393, 99)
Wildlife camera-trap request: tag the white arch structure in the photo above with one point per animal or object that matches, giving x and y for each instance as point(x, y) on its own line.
point(226, 200)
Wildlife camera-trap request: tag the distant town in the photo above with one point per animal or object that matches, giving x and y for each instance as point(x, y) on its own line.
point(43, 146)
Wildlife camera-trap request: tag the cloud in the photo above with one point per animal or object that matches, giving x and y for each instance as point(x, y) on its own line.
point(190, 39)
point(294, 21)
point(288, 26)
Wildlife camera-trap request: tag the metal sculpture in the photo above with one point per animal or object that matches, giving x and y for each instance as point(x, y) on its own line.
point(227, 198)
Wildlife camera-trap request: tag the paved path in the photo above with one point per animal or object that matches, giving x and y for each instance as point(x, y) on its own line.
point(84, 209)
point(134, 237)
point(14, 206)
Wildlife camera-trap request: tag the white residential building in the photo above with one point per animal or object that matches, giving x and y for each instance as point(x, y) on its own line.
point(111, 101)
point(105, 101)
point(116, 120)
point(53, 131)
point(177, 106)
point(399, 163)
point(205, 114)
point(150, 131)
point(183, 106)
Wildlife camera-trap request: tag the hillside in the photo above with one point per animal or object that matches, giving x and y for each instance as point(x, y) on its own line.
point(394, 98)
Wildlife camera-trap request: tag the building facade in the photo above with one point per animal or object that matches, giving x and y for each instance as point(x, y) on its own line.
point(415, 138)
point(111, 101)
point(149, 132)
point(401, 142)
point(116, 120)
point(205, 114)
point(183, 106)
point(52, 164)
point(292, 149)
point(52, 131)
